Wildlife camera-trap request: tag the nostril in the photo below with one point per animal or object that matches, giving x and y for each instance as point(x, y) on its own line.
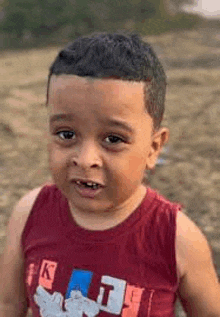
point(85, 161)
point(74, 161)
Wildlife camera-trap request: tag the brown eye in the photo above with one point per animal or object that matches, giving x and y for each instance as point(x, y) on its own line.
point(113, 139)
point(66, 135)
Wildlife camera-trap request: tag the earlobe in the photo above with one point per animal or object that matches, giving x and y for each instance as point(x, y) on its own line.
point(159, 139)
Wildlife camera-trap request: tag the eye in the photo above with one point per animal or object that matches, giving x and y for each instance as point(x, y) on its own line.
point(66, 135)
point(114, 139)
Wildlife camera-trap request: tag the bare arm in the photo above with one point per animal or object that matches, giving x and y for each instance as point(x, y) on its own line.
point(13, 301)
point(199, 289)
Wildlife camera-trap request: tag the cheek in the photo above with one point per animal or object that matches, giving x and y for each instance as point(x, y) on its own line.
point(130, 170)
point(137, 166)
point(138, 158)
point(57, 161)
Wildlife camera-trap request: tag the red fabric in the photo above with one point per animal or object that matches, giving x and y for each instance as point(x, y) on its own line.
point(128, 270)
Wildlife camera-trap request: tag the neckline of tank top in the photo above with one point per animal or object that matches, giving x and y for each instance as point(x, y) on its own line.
point(73, 231)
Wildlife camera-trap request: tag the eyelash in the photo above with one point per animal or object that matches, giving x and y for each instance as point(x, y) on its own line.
point(72, 132)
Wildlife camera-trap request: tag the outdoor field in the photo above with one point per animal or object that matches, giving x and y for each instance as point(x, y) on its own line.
point(190, 170)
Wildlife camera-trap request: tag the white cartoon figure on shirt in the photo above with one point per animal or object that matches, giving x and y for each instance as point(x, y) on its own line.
point(75, 306)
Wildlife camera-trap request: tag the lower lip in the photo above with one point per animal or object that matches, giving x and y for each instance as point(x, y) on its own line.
point(86, 192)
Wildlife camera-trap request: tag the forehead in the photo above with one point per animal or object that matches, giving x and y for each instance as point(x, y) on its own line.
point(68, 92)
point(102, 85)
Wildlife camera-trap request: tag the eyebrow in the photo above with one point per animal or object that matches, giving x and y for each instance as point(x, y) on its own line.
point(120, 124)
point(111, 122)
point(61, 117)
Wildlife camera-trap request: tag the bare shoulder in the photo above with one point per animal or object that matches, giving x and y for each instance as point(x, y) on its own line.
point(188, 236)
point(20, 214)
point(12, 289)
point(199, 289)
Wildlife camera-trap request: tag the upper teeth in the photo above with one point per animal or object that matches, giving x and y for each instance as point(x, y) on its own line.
point(91, 184)
point(88, 183)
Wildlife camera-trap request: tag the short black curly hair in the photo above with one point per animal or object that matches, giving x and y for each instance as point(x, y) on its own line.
point(118, 55)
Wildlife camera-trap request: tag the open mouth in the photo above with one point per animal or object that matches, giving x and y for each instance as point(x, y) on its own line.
point(87, 189)
point(88, 185)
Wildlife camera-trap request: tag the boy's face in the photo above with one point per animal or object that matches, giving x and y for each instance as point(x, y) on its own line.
point(100, 132)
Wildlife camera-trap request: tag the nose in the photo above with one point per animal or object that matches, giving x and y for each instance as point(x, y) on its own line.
point(87, 156)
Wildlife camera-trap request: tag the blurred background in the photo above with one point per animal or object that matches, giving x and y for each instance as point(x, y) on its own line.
point(186, 36)
point(40, 22)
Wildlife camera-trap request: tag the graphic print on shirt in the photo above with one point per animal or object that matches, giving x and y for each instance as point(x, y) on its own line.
point(47, 273)
point(31, 271)
point(75, 306)
point(115, 295)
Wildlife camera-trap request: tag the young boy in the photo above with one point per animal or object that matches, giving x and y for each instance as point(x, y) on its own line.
point(98, 242)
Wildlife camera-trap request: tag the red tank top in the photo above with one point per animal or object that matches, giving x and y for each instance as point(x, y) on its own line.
point(129, 270)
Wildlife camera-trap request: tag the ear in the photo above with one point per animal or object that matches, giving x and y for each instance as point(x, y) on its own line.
point(159, 139)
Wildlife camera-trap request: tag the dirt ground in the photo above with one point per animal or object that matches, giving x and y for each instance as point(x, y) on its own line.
point(190, 172)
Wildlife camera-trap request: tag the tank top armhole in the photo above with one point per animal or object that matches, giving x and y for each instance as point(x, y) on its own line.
point(176, 209)
point(29, 222)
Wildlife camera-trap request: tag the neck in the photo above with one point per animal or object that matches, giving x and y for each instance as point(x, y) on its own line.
point(109, 220)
